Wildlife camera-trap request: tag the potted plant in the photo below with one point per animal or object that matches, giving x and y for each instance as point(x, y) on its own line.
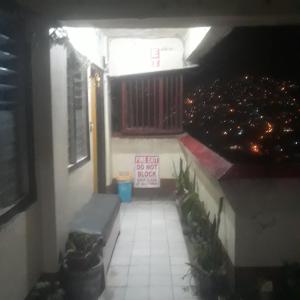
point(182, 181)
point(197, 220)
point(208, 266)
point(204, 245)
point(83, 272)
point(47, 290)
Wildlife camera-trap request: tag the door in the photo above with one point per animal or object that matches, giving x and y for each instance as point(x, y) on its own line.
point(97, 126)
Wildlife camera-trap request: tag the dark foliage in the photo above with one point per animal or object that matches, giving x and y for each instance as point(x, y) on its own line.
point(82, 251)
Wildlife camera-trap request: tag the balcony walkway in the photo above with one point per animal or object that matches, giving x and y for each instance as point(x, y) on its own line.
point(150, 257)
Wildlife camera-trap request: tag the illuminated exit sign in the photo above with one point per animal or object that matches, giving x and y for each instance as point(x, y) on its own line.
point(155, 57)
point(146, 171)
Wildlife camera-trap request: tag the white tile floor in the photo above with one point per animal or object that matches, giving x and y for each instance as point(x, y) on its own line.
point(149, 261)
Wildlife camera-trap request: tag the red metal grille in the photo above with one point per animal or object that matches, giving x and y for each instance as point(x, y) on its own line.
point(152, 104)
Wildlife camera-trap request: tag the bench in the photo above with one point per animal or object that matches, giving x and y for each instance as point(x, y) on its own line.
point(101, 215)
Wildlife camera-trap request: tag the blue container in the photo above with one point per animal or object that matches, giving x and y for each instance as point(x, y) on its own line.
point(125, 191)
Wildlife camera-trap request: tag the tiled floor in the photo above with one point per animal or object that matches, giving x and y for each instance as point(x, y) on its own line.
point(149, 261)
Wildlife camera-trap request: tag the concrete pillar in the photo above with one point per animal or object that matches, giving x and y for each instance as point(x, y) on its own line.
point(43, 143)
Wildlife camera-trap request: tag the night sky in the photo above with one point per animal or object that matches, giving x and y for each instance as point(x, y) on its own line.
point(244, 100)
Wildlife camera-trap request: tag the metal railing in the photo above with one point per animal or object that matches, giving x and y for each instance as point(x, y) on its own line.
point(152, 104)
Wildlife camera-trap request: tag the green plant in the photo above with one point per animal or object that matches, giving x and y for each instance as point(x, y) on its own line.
point(183, 182)
point(179, 177)
point(194, 214)
point(186, 179)
point(188, 202)
point(198, 222)
point(209, 261)
point(47, 290)
point(82, 251)
point(209, 258)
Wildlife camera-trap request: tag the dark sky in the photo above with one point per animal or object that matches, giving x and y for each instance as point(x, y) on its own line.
point(266, 50)
point(245, 85)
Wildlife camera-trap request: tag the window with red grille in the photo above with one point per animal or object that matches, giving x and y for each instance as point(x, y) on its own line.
point(151, 104)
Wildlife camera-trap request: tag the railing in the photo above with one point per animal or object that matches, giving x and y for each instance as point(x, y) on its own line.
point(152, 104)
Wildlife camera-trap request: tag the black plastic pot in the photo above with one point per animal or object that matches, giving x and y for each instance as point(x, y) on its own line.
point(84, 285)
point(210, 286)
point(206, 284)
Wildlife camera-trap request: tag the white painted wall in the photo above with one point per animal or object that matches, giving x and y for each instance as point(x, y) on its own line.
point(210, 192)
point(90, 42)
point(134, 55)
point(198, 43)
point(260, 220)
point(72, 189)
point(30, 243)
point(267, 220)
point(193, 38)
point(21, 240)
point(93, 44)
point(20, 254)
point(124, 13)
point(125, 149)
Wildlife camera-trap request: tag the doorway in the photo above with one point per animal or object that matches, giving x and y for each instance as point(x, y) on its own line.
point(97, 127)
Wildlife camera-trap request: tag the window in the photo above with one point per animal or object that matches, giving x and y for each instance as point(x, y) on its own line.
point(79, 144)
point(16, 160)
point(151, 104)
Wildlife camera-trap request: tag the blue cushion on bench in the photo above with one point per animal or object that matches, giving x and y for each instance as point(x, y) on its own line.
point(98, 215)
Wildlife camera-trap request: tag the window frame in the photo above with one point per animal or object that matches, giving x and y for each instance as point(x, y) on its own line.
point(161, 88)
point(23, 123)
point(85, 159)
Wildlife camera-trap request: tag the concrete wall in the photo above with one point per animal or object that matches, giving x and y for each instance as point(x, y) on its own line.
point(72, 189)
point(267, 220)
point(124, 150)
point(93, 44)
point(194, 52)
point(260, 220)
point(90, 42)
point(30, 243)
point(20, 254)
point(210, 191)
point(208, 12)
point(22, 244)
point(133, 55)
point(193, 38)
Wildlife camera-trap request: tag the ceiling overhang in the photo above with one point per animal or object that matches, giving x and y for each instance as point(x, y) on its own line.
point(196, 13)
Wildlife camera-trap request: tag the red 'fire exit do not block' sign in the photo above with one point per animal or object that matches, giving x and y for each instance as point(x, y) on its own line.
point(146, 171)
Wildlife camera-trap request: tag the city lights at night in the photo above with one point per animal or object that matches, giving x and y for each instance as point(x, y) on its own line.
point(247, 118)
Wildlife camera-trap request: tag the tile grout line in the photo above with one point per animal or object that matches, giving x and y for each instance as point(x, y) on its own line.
point(170, 261)
point(164, 211)
point(150, 268)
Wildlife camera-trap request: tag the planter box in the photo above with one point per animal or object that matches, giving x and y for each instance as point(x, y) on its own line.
point(260, 205)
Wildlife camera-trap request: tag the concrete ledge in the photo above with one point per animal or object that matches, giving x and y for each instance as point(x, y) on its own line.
point(221, 168)
point(260, 220)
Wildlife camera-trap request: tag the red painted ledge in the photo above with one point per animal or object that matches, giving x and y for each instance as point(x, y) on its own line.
point(220, 168)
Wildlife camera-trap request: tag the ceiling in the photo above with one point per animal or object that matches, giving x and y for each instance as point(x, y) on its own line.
point(145, 33)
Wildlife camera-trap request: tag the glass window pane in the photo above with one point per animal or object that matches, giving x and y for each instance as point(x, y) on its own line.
point(9, 184)
point(77, 108)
